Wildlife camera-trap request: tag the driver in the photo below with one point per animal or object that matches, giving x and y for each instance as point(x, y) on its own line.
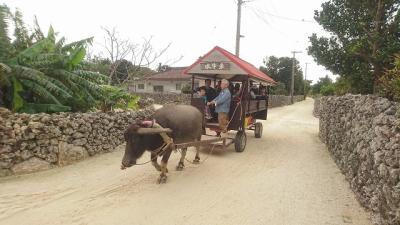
point(222, 104)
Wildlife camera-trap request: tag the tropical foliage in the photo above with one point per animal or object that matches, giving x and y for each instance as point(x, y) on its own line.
point(40, 73)
point(280, 69)
point(118, 98)
point(364, 36)
point(390, 81)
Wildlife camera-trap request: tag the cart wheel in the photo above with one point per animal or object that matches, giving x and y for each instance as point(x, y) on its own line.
point(258, 130)
point(240, 141)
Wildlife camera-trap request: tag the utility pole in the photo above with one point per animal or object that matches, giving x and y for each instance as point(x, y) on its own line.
point(293, 70)
point(239, 14)
point(305, 81)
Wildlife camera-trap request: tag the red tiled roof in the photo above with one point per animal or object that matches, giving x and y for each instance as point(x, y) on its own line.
point(249, 68)
point(172, 73)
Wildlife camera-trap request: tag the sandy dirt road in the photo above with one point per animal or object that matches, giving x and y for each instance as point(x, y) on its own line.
point(285, 178)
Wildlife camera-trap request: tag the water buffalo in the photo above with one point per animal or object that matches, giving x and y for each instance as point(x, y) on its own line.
point(185, 125)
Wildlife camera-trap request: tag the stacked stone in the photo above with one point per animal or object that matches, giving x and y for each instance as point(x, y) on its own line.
point(316, 107)
point(166, 98)
point(40, 141)
point(282, 100)
point(363, 135)
point(145, 102)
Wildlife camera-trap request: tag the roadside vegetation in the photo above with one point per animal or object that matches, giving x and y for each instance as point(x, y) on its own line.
point(363, 47)
point(40, 72)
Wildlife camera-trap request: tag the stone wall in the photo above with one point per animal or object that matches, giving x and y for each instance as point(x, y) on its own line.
point(363, 135)
point(282, 100)
point(316, 106)
point(36, 142)
point(30, 143)
point(167, 98)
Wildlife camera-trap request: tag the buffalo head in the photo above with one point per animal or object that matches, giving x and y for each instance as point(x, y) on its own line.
point(139, 137)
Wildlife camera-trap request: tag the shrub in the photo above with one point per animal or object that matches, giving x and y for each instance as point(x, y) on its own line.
point(389, 83)
point(186, 89)
point(327, 90)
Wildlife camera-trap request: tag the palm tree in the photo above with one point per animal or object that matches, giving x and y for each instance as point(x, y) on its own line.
point(41, 74)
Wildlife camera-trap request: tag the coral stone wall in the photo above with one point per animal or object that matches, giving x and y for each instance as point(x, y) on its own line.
point(36, 142)
point(30, 143)
point(363, 135)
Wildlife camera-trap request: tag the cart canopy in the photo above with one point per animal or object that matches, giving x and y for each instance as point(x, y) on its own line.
point(219, 63)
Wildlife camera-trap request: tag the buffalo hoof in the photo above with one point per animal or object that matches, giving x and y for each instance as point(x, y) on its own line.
point(180, 166)
point(196, 160)
point(162, 179)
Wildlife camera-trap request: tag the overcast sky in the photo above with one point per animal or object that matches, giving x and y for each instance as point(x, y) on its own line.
point(270, 27)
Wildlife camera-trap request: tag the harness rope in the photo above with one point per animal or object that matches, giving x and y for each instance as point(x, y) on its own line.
point(162, 148)
point(208, 155)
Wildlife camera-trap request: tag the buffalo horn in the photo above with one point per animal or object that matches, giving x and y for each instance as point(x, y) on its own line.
point(153, 130)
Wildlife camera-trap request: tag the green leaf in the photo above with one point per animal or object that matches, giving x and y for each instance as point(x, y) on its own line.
point(44, 108)
point(92, 88)
point(37, 31)
point(5, 43)
point(76, 57)
point(51, 36)
point(78, 44)
point(46, 60)
point(17, 101)
point(24, 73)
point(43, 46)
point(4, 75)
point(94, 77)
point(40, 91)
point(60, 44)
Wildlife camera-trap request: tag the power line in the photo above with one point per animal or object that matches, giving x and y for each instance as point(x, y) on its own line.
point(287, 18)
point(265, 21)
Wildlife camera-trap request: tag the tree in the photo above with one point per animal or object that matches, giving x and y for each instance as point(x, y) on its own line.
point(117, 98)
point(280, 69)
point(5, 41)
point(390, 81)
point(279, 89)
point(47, 75)
point(22, 38)
point(327, 90)
point(323, 81)
point(127, 59)
point(365, 36)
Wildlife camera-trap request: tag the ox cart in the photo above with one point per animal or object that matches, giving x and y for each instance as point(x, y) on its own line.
point(249, 104)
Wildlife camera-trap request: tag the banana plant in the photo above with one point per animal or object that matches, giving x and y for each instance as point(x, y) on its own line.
point(48, 75)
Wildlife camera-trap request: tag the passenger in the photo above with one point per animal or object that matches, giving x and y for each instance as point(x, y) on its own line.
point(252, 94)
point(236, 91)
point(231, 87)
point(253, 90)
point(218, 88)
point(263, 93)
point(202, 94)
point(222, 104)
point(210, 92)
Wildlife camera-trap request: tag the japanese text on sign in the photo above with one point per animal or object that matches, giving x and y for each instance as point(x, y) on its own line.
point(215, 66)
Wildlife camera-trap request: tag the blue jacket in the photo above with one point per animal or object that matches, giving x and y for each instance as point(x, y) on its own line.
point(223, 101)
